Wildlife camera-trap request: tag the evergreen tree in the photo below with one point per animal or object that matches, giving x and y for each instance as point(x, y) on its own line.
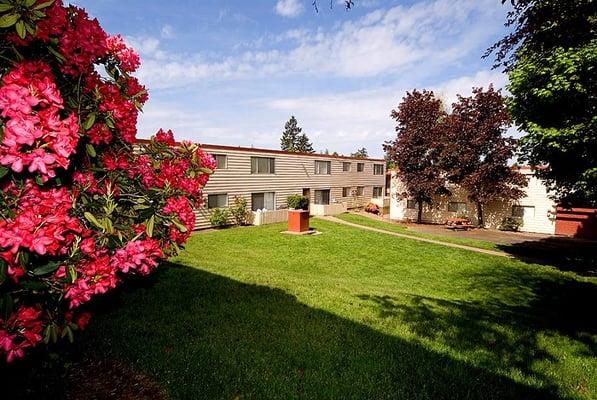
point(360, 153)
point(303, 144)
point(293, 139)
point(290, 135)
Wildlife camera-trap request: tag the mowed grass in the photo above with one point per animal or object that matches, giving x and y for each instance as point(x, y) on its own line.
point(394, 227)
point(249, 313)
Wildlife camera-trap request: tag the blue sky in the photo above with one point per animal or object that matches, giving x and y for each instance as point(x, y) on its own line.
point(232, 72)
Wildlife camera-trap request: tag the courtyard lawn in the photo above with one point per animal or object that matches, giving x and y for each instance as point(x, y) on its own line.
point(394, 227)
point(249, 313)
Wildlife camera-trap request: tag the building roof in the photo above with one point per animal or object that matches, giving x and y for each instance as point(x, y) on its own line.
point(214, 147)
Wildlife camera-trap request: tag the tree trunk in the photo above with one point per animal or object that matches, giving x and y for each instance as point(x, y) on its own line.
point(420, 213)
point(480, 220)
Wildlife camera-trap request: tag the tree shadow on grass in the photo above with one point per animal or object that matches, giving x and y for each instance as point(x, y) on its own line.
point(508, 329)
point(204, 336)
point(566, 254)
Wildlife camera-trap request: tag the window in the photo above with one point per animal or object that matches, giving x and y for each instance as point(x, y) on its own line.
point(377, 169)
point(346, 192)
point(377, 192)
point(412, 204)
point(456, 206)
point(323, 167)
point(523, 211)
point(322, 196)
point(360, 167)
point(262, 165)
point(221, 161)
point(360, 190)
point(217, 200)
point(346, 166)
point(263, 201)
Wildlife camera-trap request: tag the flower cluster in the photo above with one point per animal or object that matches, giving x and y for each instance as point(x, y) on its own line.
point(140, 255)
point(83, 203)
point(126, 56)
point(82, 42)
point(35, 136)
point(20, 331)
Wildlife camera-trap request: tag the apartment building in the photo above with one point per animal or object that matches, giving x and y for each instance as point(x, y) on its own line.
point(265, 178)
point(536, 210)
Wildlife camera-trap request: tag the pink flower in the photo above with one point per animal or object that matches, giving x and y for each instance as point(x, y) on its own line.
point(126, 56)
point(140, 255)
point(165, 137)
point(21, 330)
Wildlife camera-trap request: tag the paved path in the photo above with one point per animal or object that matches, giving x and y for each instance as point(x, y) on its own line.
point(420, 239)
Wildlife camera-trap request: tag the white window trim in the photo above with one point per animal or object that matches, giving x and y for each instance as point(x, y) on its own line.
point(223, 155)
point(217, 194)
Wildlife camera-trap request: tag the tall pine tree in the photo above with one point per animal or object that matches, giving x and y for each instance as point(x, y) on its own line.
point(293, 139)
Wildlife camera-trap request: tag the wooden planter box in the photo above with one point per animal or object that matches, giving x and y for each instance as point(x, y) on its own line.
point(298, 221)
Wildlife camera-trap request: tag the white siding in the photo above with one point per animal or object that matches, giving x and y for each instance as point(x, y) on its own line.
point(543, 220)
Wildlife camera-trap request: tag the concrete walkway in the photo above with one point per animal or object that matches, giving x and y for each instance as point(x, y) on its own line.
point(420, 239)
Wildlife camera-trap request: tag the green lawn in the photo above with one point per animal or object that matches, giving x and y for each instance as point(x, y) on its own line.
point(394, 227)
point(249, 313)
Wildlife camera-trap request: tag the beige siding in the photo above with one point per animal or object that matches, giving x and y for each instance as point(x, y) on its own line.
point(293, 173)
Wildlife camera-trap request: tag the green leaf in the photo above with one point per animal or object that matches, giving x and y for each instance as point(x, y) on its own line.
point(56, 54)
point(108, 225)
point(180, 226)
point(32, 285)
point(5, 7)
point(46, 269)
point(20, 26)
point(8, 20)
point(206, 170)
point(89, 121)
point(90, 150)
point(72, 273)
point(149, 226)
point(91, 218)
point(29, 3)
point(43, 5)
point(3, 171)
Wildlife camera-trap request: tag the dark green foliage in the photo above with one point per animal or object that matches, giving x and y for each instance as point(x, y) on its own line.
point(293, 139)
point(360, 153)
point(298, 202)
point(512, 224)
point(219, 217)
point(551, 57)
point(240, 211)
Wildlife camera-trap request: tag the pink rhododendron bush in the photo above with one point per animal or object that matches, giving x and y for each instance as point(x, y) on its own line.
point(82, 205)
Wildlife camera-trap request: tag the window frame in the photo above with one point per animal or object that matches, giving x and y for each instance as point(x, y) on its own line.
point(217, 194)
point(380, 188)
point(360, 191)
point(349, 191)
point(523, 208)
point(264, 205)
point(457, 210)
point(376, 167)
point(360, 167)
point(346, 163)
point(216, 155)
point(329, 196)
point(271, 165)
point(319, 163)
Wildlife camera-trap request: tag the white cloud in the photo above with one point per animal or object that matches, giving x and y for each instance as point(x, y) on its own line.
point(167, 32)
point(428, 35)
point(289, 8)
